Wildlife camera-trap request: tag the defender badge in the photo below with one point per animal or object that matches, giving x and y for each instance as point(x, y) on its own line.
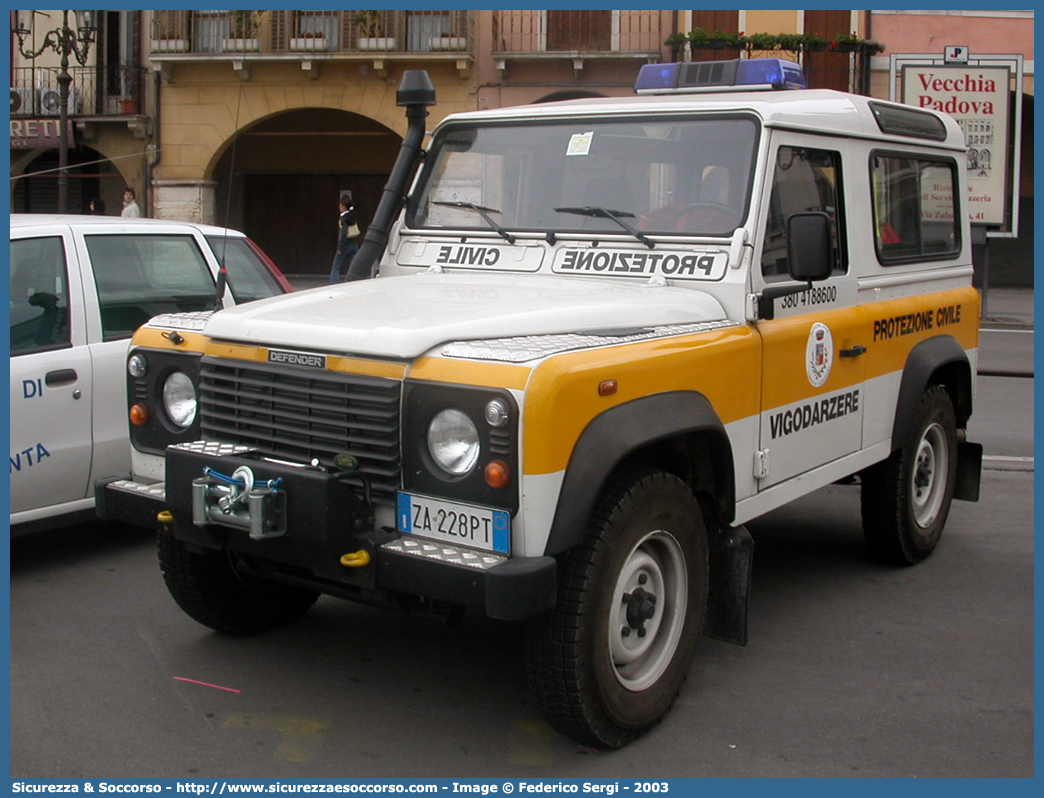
point(297, 358)
point(819, 354)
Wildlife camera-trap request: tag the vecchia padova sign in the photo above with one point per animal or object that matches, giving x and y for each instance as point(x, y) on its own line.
point(976, 92)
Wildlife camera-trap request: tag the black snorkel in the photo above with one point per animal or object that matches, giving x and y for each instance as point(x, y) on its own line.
point(416, 93)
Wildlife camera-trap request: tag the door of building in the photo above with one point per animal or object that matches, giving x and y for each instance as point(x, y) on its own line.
point(828, 69)
point(294, 217)
point(580, 30)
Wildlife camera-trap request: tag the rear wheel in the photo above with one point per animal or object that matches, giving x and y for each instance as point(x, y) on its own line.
point(608, 661)
point(210, 589)
point(906, 498)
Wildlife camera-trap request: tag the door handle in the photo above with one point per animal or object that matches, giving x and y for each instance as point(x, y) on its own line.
point(854, 351)
point(60, 377)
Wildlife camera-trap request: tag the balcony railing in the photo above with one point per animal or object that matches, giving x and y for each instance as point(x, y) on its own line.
point(284, 32)
point(95, 91)
point(583, 32)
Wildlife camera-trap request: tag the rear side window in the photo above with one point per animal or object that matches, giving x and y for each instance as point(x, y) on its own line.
point(39, 295)
point(248, 277)
point(915, 208)
point(141, 276)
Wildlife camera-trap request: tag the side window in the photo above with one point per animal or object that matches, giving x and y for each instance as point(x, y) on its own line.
point(803, 180)
point(39, 295)
point(915, 208)
point(141, 276)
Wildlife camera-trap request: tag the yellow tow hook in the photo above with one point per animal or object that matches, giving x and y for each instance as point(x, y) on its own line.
point(165, 517)
point(355, 559)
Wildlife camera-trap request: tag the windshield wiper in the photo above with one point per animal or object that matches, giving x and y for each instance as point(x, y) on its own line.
point(609, 213)
point(484, 212)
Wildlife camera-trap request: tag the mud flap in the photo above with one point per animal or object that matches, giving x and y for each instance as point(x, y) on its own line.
point(731, 554)
point(969, 471)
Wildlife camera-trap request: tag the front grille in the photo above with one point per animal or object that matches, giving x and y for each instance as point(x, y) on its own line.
point(303, 415)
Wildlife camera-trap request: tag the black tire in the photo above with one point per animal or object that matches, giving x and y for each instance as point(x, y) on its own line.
point(207, 587)
point(641, 567)
point(906, 498)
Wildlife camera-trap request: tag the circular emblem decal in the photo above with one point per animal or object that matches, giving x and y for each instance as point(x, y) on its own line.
point(819, 354)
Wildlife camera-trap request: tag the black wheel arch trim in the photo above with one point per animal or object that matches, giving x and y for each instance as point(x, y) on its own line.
point(616, 434)
point(941, 353)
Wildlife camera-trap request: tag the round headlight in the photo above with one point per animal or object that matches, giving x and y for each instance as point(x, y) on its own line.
point(453, 442)
point(179, 399)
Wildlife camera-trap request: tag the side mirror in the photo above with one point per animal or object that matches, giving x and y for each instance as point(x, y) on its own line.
point(810, 250)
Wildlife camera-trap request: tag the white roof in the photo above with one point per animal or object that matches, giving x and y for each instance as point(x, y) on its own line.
point(20, 220)
point(815, 110)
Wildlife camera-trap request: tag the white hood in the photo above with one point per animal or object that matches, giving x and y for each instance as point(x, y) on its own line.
point(404, 317)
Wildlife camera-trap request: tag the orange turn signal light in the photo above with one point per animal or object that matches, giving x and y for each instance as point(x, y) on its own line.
point(139, 415)
point(497, 473)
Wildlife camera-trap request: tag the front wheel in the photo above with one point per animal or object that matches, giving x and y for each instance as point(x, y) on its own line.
point(211, 589)
point(906, 498)
point(608, 661)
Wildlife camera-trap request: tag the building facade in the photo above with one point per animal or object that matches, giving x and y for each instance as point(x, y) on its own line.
point(261, 119)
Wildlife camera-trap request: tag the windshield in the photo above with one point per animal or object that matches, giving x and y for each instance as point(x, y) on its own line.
point(665, 175)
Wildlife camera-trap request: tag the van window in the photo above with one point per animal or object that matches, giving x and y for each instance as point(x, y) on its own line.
point(803, 180)
point(140, 276)
point(915, 208)
point(39, 295)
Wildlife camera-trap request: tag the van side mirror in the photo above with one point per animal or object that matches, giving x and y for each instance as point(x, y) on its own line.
point(810, 250)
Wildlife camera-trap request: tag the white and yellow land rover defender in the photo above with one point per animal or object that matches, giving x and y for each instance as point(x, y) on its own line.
point(604, 334)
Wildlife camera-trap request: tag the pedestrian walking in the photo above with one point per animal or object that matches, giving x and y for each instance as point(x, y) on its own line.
point(347, 242)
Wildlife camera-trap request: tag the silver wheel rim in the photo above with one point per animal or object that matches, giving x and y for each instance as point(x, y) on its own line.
point(648, 610)
point(928, 480)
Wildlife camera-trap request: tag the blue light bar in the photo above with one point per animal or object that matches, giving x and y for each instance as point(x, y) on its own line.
point(747, 73)
point(657, 76)
point(775, 72)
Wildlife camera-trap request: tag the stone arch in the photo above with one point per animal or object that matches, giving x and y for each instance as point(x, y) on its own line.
point(278, 179)
point(94, 172)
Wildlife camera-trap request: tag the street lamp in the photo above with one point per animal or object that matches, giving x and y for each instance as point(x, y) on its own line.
point(64, 41)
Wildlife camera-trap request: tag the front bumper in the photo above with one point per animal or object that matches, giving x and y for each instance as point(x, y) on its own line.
point(310, 527)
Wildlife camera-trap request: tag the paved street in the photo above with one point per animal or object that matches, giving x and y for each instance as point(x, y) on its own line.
point(853, 669)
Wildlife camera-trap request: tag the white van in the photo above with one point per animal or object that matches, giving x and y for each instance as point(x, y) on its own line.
point(80, 287)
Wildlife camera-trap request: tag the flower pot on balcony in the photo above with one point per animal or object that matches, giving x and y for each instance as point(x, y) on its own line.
point(376, 43)
point(448, 42)
point(241, 45)
point(307, 44)
point(169, 45)
point(128, 106)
